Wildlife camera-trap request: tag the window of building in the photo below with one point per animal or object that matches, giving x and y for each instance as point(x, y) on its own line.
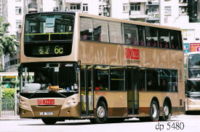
point(151, 36)
point(75, 6)
point(183, 10)
point(117, 78)
point(18, 10)
point(85, 7)
point(168, 10)
point(101, 76)
point(86, 28)
point(18, 23)
point(135, 6)
point(183, 1)
point(100, 31)
point(131, 34)
point(125, 7)
point(115, 32)
point(164, 38)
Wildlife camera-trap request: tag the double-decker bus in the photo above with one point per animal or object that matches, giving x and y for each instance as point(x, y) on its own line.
point(192, 67)
point(99, 68)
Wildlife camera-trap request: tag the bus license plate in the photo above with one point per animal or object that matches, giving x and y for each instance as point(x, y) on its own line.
point(46, 101)
point(46, 113)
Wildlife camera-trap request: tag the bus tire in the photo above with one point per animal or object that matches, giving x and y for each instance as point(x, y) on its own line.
point(166, 112)
point(49, 121)
point(144, 119)
point(154, 111)
point(101, 113)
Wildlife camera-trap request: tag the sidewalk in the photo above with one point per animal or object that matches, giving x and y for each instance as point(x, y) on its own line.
point(9, 117)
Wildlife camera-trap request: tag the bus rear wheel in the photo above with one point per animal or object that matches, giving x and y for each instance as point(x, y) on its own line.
point(49, 121)
point(166, 112)
point(154, 111)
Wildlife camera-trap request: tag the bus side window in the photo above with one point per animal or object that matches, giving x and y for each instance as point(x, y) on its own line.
point(86, 29)
point(115, 32)
point(151, 36)
point(175, 38)
point(131, 34)
point(101, 80)
point(141, 35)
point(164, 38)
point(100, 31)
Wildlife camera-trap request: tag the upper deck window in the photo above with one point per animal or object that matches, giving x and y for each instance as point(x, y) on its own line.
point(164, 40)
point(100, 31)
point(131, 34)
point(175, 37)
point(151, 36)
point(95, 30)
point(106, 31)
point(115, 32)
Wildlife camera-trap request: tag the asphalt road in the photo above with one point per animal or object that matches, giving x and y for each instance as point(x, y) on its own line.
point(181, 123)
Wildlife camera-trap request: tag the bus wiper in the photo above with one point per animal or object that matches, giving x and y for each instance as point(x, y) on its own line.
point(62, 95)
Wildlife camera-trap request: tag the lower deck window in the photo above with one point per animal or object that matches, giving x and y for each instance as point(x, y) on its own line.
point(113, 78)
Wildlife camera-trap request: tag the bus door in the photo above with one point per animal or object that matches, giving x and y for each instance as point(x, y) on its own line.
point(132, 86)
point(87, 92)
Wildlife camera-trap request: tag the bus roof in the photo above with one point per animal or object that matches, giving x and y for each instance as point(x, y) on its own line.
point(113, 19)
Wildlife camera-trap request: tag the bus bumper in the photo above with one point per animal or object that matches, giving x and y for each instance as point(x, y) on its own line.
point(192, 104)
point(53, 107)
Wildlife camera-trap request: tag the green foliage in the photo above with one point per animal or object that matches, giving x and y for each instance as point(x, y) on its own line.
point(8, 43)
point(8, 93)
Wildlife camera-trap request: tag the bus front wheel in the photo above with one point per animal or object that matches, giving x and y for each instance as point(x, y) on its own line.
point(101, 113)
point(49, 121)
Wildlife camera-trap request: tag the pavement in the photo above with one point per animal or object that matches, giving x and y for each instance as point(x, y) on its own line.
point(14, 117)
point(8, 116)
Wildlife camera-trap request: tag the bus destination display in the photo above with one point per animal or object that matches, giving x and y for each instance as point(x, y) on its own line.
point(48, 50)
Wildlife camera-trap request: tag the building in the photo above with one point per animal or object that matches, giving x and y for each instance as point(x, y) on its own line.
point(178, 14)
point(153, 11)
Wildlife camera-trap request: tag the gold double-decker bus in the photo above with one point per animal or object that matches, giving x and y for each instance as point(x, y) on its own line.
point(99, 68)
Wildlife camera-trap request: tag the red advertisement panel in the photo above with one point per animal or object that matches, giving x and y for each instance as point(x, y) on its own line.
point(195, 47)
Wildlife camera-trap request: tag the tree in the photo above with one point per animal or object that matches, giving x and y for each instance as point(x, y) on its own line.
point(8, 43)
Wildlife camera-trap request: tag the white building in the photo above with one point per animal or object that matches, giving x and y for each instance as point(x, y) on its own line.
point(175, 13)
